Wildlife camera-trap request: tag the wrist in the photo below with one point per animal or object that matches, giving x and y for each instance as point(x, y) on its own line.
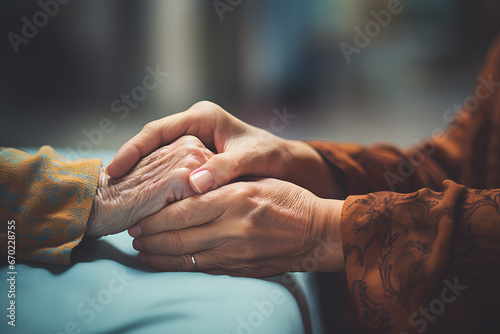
point(304, 166)
point(90, 221)
point(328, 250)
point(93, 223)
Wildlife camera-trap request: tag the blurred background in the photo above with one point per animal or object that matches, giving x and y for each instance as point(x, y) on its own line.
point(250, 57)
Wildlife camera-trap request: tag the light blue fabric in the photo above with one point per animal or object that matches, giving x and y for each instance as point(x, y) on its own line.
point(129, 299)
point(109, 291)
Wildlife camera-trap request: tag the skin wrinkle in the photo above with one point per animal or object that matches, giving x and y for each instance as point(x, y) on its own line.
point(259, 204)
point(250, 221)
point(154, 182)
point(296, 201)
point(386, 282)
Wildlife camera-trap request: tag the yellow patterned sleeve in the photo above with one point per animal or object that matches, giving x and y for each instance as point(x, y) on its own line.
point(48, 200)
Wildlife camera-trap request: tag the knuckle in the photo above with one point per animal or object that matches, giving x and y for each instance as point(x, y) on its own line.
point(244, 197)
point(180, 175)
point(204, 104)
point(237, 165)
point(194, 163)
point(192, 140)
point(245, 190)
point(157, 154)
point(190, 149)
point(191, 162)
point(180, 217)
point(207, 108)
point(238, 192)
point(150, 126)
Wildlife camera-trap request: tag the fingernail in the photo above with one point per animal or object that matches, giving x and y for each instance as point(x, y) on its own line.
point(202, 181)
point(141, 257)
point(137, 244)
point(135, 231)
point(107, 167)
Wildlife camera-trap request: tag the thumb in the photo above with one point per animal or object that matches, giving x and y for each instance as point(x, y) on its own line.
point(219, 170)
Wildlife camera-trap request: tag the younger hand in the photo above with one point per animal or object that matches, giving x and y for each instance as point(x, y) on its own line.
point(241, 150)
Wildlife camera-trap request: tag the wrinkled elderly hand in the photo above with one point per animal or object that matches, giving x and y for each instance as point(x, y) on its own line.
point(255, 229)
point(156, 181)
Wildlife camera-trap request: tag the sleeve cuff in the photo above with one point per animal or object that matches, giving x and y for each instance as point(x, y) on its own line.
point(52, 199)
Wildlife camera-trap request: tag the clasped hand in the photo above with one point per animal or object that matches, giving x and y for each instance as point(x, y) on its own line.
point(261, 227)
point(255, 228)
